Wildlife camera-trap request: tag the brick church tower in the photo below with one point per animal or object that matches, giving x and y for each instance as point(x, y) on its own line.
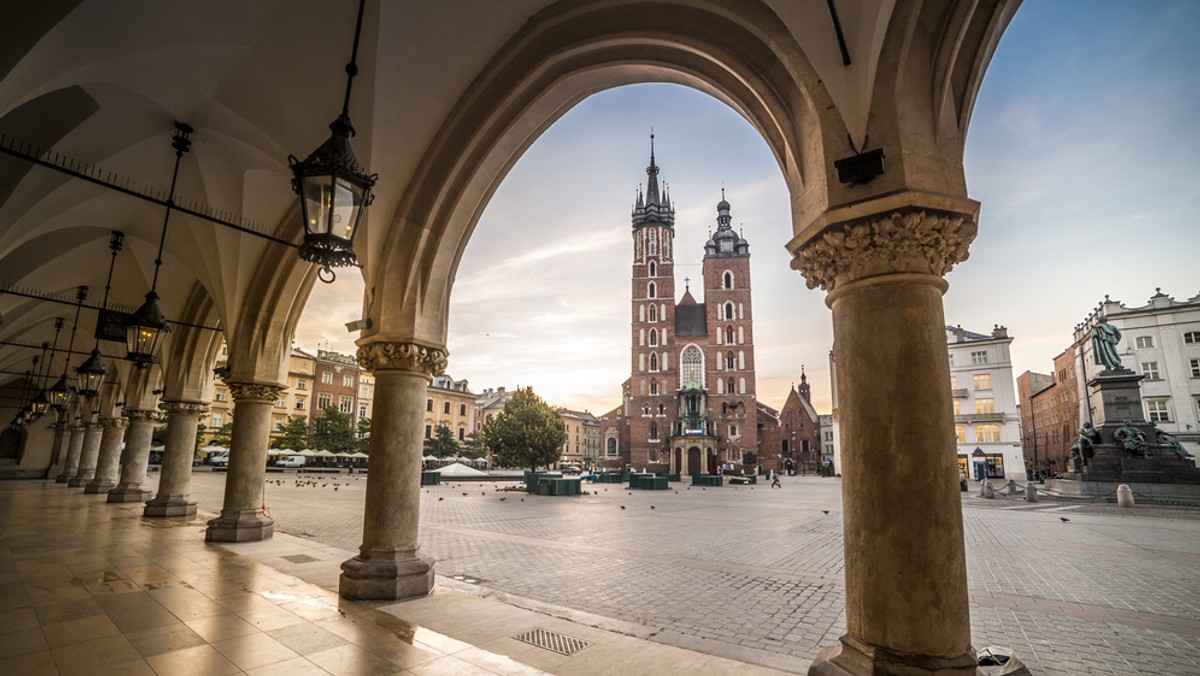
point(690, 400)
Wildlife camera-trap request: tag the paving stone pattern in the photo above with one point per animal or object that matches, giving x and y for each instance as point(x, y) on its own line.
point(757, 574)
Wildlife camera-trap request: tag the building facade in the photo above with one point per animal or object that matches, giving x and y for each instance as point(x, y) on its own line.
point(986, 421)
point(449, 403)
point(583, 438)
point(1160, 341)
point(690, 404)
point(1049, 409)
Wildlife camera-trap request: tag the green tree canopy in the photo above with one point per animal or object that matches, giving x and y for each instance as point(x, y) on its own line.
point(293, 435)
point(527, 433)
point(334, 432)
point(222, 436)
point(474, 446)
point(442, 444)
point(364, 430)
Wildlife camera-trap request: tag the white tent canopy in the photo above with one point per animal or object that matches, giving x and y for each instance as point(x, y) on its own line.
point(456, 469)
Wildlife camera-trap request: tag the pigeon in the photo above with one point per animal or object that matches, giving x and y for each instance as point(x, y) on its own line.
point(440, 499)
point(522, 499)
point(676, 492)
point(651, 506)
point(824, 511)
point(335, 488)
point(503, 499)
point(482, 493)
point(622, 506)
point(1063, 519)
point(464, 495)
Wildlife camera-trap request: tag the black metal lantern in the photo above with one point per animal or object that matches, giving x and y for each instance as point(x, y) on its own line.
point(333, 187)
point(59, 392)
point(144, 331)
point(90, 374)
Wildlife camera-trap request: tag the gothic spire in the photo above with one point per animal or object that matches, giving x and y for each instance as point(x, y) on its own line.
point(652, 176)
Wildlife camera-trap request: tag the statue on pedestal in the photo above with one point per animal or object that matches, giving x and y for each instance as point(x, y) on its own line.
point(1131, 439)
point(1082, 451)
point(1105, 337)
point(1163, 439)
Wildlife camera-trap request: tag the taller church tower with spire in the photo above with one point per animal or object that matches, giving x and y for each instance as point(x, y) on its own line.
point(689, 404)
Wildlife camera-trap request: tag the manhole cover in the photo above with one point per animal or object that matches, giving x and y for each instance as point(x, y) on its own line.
point(299, 558)
point(553, 641)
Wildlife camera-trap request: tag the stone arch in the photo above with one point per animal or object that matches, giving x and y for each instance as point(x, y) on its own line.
point(746, 58)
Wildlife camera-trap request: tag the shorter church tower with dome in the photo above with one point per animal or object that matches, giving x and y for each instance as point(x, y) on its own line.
point(689, 406)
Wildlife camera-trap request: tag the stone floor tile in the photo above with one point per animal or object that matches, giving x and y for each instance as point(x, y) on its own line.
point(22, 641)
point(255, 650)
point(150, 642)
point(89, 657)
point(297, 666)
point(307, 638)
point(351, 660)
point(79, 630)
point(38, 663)
point(201, 660)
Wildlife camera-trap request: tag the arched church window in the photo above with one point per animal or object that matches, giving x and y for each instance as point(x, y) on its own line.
point(691, 367)
point(724, 409)
point(728, 280)
point(662, 410)
point(741, 386)
point(653, 337)
point(653, 361)
point(653, 269)
point(729, 335)
point(646, 409)
point(729, 311)
point(650, 291)
point(720, 386)
point(731, 387)
point(652, 243)
point(653, 387)
point(729, 360)
point(653, 431)
point(653, 314)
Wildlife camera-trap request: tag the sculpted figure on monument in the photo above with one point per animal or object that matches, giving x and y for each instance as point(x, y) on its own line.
point(1088, 437)
point(1105, 337)
point(1163, 439)
point(1131, 439)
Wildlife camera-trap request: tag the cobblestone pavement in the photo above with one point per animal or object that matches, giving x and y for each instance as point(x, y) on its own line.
point(756, 574)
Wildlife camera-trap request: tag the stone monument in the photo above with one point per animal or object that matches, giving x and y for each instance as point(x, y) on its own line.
point(1121, 447)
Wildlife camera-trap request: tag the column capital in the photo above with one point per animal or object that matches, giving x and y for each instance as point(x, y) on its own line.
point(142, 415)
point(114, 422)
point(905, 240)
point(397, 356)
point(189, 407)
point(254, 392)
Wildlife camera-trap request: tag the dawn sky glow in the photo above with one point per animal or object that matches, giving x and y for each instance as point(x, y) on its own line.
point(1083, 152)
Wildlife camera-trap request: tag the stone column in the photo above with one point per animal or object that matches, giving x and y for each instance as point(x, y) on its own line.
point(136, 458)
point(389, 565)
point(905, 563)
point(175, 480)
point(74, 449)
point(58, 445)
point(109, 462)
point(242, 518)
point(88, 455)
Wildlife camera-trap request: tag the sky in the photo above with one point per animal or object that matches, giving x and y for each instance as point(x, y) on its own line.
point(1083, 150)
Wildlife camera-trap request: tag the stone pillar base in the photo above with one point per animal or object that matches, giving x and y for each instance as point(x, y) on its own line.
point(852, 657)
point(387, 576)
point(173, 505)
point(128, 494)
point(61, 479)
point(99, 486)
point(240, 526)
point(79, 481)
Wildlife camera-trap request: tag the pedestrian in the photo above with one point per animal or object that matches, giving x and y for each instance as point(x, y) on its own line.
point(775, 483)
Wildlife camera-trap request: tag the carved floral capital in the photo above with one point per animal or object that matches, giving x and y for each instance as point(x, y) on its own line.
point(254, 392)
point(383, 356)
point(187, 407)
point(909, 241)
point(141, 415)
point(114, 422)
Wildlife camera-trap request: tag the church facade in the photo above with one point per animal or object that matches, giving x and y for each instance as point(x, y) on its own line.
point(689, 405)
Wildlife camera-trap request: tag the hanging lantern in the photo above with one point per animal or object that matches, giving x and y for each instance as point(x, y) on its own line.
point(59, 392)
point(144, 330)
point(90, 374)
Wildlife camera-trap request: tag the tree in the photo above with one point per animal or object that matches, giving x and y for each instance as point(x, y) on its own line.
point(474, 446)
point(333, 432)
point(442, 444)
point(293, 435)
point(364, 434)
point(527, 433)
point(222, 436)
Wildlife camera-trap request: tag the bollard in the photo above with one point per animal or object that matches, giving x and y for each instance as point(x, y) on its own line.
point(1124, 496)
point(986, 489)
point(1012, 487)
point(1030, 492)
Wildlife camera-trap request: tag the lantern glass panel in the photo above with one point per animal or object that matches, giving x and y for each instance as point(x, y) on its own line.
point(141, 338)
point(318, 203)
point(347, 202)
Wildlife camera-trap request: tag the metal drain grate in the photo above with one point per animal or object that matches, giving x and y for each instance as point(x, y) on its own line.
point(299, 558)
point(553, 641)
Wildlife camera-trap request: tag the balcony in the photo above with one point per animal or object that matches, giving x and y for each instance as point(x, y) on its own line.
point(979, 417)
point(959, 393)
